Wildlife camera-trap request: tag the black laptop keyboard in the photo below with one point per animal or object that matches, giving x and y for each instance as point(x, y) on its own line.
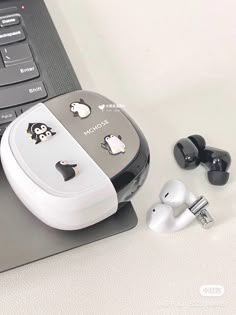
point(18, 71)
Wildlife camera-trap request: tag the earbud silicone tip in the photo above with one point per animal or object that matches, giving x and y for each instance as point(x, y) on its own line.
point(218, 178)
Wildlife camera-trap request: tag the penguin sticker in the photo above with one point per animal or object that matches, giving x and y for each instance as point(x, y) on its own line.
point(40, 132)
point(80, 109)
point(113, 144)
point(67, 170)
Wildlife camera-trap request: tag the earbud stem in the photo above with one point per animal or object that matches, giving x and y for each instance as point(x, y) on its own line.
point(202, 215)
point(198, 205)
point(183, 220)
point(205, 219)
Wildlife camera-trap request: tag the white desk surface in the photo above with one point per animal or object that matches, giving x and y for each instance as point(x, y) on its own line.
point(173, 64)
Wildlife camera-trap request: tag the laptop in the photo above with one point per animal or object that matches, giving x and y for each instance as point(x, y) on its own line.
point(34, 67)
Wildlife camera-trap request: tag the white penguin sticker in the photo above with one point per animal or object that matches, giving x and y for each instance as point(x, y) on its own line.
point(80, 109)
point(113, 144)
point(40, 132)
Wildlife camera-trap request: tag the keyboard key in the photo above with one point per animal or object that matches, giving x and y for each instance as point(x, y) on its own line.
point(18, 73)
point(7, 116)
point(8, 21)
point(16, 54)
point(26, 107)
point(11, 34)
point(18, 95)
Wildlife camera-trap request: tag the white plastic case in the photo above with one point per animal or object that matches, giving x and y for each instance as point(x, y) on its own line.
point(31, 170)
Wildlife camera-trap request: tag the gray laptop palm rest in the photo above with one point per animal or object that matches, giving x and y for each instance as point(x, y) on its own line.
point(24, 239)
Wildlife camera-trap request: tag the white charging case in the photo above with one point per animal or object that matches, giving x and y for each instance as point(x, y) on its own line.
point(72, 161)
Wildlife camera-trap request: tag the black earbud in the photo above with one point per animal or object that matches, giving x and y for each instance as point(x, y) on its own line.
point(192, 151)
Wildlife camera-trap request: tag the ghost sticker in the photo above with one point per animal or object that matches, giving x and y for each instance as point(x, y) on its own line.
point(40, 132)
point(113, 144)
point(80, 109)
point(67, 170)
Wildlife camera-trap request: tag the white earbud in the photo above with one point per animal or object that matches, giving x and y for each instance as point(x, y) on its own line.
point(160, 218)
point(175, 194)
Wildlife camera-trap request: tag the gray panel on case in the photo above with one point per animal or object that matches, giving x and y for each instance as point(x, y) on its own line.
point(116, 123)
point(24, 239)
